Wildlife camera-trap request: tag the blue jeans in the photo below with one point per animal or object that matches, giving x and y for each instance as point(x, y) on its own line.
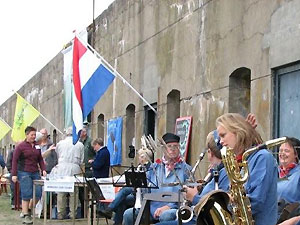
point(124, 199)
point(175, 222)
point(26, 185)
point(127, 216)
point(168, 215)
point(120, 197)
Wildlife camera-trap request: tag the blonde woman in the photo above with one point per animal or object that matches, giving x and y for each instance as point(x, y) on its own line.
point(261, 187)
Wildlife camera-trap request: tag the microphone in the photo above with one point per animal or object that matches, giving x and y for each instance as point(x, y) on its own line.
point(201, 156)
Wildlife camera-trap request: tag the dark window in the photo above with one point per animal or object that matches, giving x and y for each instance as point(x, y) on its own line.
point(130, 126)
point(150, 120)
point(101, 126)
point(239, 91)
point(287, 101)
point(173, 109)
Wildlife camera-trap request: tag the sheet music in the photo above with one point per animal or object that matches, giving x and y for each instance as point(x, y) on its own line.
point(108, 191)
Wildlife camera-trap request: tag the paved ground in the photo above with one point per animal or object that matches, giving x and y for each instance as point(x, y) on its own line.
point(11, 217)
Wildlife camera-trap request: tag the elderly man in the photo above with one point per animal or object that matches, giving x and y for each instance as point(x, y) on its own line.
point(101, 162)
point(70, 158)
point(170, 170)
point(89, 152)
point(47, 149)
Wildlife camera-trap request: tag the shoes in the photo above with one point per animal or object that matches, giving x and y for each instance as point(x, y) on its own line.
point(106, 213)
point(60, 216)
point(22, 215)
point(27, 219)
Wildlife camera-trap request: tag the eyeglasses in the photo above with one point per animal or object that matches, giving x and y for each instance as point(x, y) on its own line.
point(173, 147)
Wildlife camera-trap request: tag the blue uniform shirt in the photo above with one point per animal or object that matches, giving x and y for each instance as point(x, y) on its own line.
point(261, 187)
point(182, 170)
point(223, 184)
point(288, 187)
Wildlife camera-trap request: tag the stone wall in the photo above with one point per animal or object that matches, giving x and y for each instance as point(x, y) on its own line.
point(192, 46)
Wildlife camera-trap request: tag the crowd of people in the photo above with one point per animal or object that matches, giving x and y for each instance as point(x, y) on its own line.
point(272, 188)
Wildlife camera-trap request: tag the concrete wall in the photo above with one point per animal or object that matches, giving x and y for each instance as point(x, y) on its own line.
point(189, 45)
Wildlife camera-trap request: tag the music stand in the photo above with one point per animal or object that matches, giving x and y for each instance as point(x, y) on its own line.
point(136, 179)
point(95, 189)
point(96, 192)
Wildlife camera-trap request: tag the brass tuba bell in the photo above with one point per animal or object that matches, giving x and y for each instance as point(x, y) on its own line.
point(212, 209)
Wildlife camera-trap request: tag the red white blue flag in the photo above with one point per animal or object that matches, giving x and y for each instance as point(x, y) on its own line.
point(90, 80)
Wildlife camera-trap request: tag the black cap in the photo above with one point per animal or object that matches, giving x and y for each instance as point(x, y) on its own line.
point(169, 137)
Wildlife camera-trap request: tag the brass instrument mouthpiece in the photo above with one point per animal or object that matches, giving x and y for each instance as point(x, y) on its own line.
point(268, 144)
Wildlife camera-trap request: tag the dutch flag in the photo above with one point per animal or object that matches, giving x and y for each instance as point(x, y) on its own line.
point(90, 80)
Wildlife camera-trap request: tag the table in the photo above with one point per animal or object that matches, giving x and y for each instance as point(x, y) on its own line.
point(79, 183)
point(41, 183)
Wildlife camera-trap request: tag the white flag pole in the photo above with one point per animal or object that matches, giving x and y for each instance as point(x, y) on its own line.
point(116, 73)
point(51, 123)
point(43, 116)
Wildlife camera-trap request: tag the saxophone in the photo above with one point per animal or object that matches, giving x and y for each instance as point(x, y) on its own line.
point(238, 174)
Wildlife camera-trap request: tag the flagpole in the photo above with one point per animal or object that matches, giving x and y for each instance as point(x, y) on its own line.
point(116, 73)
point(44, 117)
point(51, 123)
point(5, 123)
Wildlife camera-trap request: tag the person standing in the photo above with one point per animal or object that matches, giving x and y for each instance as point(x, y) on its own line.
point(70, 158)
point(89, 152)
point(2, 162)
point(101, 163)
point(47, 148)
point(27, 160)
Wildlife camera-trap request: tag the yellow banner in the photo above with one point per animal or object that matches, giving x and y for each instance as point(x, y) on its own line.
point(25, 114)
point(4, 128)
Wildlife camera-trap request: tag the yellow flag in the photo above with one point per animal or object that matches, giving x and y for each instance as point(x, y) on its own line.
point(25, 114)
point(4, 128)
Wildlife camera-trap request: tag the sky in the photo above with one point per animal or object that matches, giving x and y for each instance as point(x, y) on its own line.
point(35, 31)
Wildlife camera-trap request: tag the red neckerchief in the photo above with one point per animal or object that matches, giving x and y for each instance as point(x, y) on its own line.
point(171, 165)
point(284, 172)
point(239, 158)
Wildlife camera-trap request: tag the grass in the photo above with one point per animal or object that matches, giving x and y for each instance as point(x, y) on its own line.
point(11, 217)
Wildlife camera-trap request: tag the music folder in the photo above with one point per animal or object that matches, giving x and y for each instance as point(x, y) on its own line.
point(136, 179)
point(95, 189)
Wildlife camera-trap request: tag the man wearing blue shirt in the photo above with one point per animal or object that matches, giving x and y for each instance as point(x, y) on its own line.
point(170, 169)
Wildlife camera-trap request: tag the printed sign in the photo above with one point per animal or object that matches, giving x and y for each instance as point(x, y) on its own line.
point(59, 186)
point(183, 129)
